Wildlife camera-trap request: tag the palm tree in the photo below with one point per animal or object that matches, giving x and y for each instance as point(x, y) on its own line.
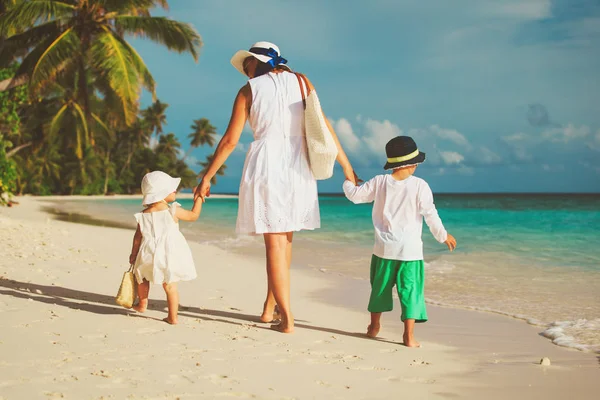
point(205, 164)
point(155, 116)
point(202, 133)
point(87, 38)
point(168, 146)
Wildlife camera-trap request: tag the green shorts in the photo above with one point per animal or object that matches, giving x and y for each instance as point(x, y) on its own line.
point(409, 278)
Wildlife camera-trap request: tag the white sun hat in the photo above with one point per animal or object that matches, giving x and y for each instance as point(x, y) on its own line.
point(266, 52)
point(157, 185)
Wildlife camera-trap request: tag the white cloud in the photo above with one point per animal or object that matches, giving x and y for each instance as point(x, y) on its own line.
point(518, 9)
point(451, 157)
point(487, 156)
point(451, 135)
point(566, 134)
point(347, 137)
point(153, 142)
point(594, 144)
point(378, 133)
point(517, 137)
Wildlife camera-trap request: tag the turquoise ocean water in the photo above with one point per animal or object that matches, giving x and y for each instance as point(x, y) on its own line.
point(533, 257)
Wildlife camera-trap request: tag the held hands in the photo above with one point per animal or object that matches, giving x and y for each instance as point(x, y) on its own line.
point(202, 190)
point(352, 177)
point(450, 242)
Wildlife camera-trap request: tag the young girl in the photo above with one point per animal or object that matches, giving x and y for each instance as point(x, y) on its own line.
point(160, 253)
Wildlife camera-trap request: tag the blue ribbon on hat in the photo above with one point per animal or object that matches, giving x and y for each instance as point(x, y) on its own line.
point(275, 60)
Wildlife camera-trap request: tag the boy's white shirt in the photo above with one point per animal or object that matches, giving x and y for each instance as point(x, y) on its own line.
point(398, 211)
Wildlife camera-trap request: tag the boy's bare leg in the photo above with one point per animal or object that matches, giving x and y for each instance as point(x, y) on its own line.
point(143, 289)
point(409, 338)
point(172, 302)
point(375, 326)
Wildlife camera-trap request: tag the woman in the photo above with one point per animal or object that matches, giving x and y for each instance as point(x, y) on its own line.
point(278, 193)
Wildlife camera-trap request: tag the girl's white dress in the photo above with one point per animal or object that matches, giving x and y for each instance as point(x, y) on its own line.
point(164, 255)
point(278, 192)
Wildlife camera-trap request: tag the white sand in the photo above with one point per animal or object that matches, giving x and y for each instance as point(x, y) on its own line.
point(62, 336)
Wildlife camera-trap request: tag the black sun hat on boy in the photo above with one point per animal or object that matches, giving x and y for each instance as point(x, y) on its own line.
point(402, 151)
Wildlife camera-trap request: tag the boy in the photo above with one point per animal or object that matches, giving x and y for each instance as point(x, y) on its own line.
point(401, 201)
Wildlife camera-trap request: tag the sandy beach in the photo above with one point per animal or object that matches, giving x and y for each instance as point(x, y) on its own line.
point(63, 336)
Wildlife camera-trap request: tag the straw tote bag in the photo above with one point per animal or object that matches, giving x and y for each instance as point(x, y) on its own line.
point(322, 150)
point(127, 290)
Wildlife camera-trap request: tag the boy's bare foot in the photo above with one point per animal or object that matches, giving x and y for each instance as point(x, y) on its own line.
point(373, 330)
point(170, 321)
point(410, 341)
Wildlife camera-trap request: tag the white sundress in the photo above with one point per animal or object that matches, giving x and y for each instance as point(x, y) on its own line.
point(164, 255)
point(278, 192)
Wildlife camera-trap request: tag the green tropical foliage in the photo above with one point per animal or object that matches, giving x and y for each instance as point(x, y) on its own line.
point(70, 85)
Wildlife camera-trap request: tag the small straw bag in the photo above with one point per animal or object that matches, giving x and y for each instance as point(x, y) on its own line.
point(322, 150)
point(127, 290)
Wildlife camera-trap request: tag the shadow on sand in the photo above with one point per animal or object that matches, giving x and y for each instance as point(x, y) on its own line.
point(102, 304)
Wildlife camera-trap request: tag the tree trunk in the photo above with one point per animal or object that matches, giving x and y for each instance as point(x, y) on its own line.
point(14, 151)
point(106, 172)
point(13, 82)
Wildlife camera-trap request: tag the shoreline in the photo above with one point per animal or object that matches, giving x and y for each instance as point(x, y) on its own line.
point(466, 354)
point(552, 331)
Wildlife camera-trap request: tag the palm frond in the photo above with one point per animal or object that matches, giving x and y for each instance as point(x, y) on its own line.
point(56, 122)
point(114, 61)
point(81, 115)
point(176, 36)
point(102, 125)
point(26, 14)
point(54, 59)
point(132, 5)
point(17, 44)
point(141, 68)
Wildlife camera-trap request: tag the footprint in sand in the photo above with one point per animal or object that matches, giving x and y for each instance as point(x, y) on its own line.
point(240, 395)
point(418, 363)
point(411, 379)
point(54, 395)
point(221, 379)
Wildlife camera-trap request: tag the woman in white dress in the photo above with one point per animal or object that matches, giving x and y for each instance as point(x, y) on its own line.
point(278, 193)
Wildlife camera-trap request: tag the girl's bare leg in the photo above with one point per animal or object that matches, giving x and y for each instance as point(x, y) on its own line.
point(172, 302)
point(143, 290)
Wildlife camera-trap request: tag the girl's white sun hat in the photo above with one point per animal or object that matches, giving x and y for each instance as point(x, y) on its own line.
point(266, 52)
point(157, 185)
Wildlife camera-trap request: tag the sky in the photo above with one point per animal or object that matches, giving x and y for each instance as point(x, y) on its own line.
point(502, 95)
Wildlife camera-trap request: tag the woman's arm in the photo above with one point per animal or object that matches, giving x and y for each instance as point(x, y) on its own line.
point(342, 158)
point(239, 115)
point(135, 248)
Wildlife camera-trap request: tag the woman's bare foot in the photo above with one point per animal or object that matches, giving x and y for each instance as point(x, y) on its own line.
point(170, 321)
point(410, 341)
point(285, 326)
point(373, 330)
point(270, 314)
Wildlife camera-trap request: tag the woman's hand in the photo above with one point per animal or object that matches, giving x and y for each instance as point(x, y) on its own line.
point(202, 190)
point(132, 258)
point(352, 177)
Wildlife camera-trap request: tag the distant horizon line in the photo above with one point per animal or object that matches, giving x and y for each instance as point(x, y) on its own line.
point(461, 193)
